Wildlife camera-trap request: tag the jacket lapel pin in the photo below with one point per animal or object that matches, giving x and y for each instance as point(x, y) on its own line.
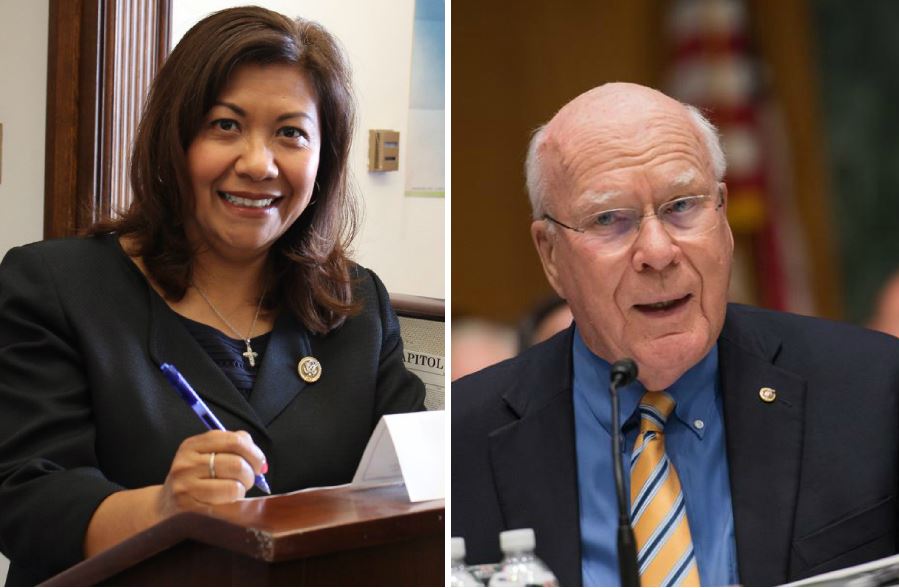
point(767, 394)
point(310, 369)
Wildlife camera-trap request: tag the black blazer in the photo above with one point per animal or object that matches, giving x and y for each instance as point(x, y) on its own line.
point(813, 475)
point(85, 411)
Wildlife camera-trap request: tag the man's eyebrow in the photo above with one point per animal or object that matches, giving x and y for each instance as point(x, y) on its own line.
point(684, 179)
point(591, 198)
point(287, 115)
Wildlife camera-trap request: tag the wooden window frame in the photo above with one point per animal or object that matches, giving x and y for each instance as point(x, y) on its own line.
point(93, 45)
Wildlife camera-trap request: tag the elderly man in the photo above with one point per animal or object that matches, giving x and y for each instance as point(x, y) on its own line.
point(758, 447)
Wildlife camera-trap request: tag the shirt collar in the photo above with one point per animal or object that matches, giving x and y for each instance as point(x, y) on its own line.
point(694, 391)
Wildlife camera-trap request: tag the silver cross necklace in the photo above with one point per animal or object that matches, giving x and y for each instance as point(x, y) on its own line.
point(249, 353)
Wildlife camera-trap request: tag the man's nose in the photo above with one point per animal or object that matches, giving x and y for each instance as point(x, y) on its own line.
point(654, 248)
point(257, 161)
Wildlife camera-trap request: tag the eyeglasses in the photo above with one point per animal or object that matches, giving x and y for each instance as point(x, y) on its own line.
point(687, 216)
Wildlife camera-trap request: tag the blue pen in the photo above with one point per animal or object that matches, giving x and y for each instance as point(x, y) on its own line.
point(190, 397)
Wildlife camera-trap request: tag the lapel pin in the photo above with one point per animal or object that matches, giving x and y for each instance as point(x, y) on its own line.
point(309, 369)
point(767, 394)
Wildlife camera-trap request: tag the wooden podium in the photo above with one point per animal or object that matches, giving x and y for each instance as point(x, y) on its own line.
point(337, 536)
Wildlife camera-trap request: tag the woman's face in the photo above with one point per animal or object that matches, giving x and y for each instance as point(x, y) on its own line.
point(253, 163)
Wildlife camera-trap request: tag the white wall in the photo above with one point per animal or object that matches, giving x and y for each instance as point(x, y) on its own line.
point(23, 108)
point(401, 238)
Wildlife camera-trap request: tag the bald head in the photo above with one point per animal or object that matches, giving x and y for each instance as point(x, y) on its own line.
point(610, 113)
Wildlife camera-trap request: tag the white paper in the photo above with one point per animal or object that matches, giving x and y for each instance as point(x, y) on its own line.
point(406, 448)
point(379, 464)
point(881, 572)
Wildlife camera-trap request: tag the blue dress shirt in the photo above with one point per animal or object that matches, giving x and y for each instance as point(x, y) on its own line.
point(694, 440)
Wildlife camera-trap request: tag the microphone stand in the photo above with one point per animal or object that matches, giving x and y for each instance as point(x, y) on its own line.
point(627, 545)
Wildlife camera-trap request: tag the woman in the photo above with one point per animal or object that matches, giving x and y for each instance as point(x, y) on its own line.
point(231, 265)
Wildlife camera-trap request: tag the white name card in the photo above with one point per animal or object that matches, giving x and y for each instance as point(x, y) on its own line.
point(406, 449)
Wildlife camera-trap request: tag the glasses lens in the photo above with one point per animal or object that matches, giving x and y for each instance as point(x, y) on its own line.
point(691, 215)
point(616, 229)
point(683, 214)
point(611, 225)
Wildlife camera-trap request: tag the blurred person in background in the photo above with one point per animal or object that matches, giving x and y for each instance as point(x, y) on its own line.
point(478, 343)
point(547, 318)
point(886, 313)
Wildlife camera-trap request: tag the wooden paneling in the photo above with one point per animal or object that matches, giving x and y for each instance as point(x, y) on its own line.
point(101, 59)
point(72, 80)
point(513, 65)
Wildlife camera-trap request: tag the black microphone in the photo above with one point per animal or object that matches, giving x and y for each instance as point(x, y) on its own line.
point(624, 371)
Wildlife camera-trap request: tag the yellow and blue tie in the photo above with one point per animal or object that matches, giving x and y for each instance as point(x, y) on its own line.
point(658, 512)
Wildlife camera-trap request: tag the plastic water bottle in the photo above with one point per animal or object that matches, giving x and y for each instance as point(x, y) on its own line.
point(520, 567)
point(483, 572)
point(459, 574)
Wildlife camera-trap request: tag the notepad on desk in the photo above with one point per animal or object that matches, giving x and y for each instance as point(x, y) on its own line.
point(406, 448)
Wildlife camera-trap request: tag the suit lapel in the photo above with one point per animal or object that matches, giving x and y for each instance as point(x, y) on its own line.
point(169, 342)
point(764, 448)
point(278, 382)
point(534, 461)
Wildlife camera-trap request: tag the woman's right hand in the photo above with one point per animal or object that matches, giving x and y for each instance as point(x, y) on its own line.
point(189, 485)
point(198, 479)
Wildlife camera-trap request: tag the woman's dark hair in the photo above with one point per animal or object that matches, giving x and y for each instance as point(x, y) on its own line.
point(310, 269)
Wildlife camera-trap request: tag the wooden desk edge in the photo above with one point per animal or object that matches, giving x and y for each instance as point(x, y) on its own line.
point(257, 542)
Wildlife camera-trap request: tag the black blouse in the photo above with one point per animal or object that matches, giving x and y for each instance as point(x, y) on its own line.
point(227, 353)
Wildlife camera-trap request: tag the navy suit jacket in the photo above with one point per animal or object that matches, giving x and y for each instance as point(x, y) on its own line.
point(813, 474)
point(85, 411)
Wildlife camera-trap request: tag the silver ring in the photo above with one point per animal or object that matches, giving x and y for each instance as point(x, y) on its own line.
point(212, 465)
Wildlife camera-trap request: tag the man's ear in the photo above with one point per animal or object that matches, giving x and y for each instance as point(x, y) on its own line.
point(545, 241)
point(722, 189)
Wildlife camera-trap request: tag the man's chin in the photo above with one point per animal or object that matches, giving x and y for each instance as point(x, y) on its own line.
point(663, 360)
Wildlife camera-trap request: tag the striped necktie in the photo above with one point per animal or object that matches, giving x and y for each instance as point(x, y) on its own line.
point(658, 513)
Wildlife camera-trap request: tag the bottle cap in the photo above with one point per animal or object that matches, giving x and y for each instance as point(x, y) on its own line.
point(457, 548)
point(517, 540)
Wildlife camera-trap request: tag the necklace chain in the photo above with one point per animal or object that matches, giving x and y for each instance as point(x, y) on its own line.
point(249, 353)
